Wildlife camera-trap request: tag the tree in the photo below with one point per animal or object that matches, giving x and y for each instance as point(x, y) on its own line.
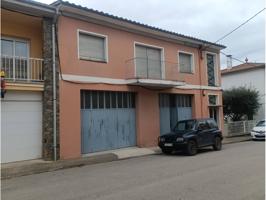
point(240, 102)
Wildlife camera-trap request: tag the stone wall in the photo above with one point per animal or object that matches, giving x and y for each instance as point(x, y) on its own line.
point(48, 151)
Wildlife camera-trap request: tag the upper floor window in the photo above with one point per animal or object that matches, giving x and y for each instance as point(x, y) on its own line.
point(185, 62)
point(13, 47)
point(92, 46)
point(15, 58)
point(148, 62)
point(211, 69)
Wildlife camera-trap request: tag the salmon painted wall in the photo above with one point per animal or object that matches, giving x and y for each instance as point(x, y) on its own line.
point(25, 27)
point(120, 48)
point(147, 114)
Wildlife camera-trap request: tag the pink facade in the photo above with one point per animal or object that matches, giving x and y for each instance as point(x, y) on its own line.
point(120, 47)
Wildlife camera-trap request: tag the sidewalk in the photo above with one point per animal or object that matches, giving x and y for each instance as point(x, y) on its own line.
point(23, 168)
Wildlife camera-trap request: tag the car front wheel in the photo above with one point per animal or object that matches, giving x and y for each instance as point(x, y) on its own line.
point(217, 146)
point(192, 148)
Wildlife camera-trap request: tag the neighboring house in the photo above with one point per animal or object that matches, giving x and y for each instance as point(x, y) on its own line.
point(121, 83)
point(26, 109)
point(250, 75)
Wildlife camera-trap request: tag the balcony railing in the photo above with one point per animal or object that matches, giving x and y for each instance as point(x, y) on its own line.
point(22, 69)
point(143, 68)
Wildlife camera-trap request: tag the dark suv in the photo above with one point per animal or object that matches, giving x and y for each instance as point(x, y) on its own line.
point(189, 135)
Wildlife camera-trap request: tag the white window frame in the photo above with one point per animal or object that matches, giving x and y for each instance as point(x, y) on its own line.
point(13, 39)
point(151, 46)
point(216, 75)
point(217, 105)
point(217, 98)
point(105, 37)
point(192, 62)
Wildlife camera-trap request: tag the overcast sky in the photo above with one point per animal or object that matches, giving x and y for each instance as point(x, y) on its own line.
point(204, 19)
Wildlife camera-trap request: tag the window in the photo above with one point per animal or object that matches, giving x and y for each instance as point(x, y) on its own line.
point(148, 62)
point(14, 57)
point(211, 69)
point(212, 99)
point(92, 47)
point(185, 62)
point(106, 100)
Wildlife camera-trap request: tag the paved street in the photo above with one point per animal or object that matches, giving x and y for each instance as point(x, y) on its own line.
point(236, 172)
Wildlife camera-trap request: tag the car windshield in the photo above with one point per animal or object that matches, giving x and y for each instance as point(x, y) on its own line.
point(185, 125)
point(261, 123)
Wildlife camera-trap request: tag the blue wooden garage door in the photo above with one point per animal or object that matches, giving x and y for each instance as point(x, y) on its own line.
point(173, 108)
point(107, 120)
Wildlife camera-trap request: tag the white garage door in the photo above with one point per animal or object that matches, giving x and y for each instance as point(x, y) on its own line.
point(21, 126)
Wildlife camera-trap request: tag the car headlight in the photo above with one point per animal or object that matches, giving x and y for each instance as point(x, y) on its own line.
point(179, 139)
point(161, 139)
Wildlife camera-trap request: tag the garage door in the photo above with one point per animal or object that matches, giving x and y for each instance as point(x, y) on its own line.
point(21, 130)
point(173, 108)
point(107, 120)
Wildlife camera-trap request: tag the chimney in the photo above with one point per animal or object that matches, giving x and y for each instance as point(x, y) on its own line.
point(229, 61)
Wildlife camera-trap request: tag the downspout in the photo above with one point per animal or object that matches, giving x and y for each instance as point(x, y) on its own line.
point(200, 70)
point(54, 84)
point(54, 93)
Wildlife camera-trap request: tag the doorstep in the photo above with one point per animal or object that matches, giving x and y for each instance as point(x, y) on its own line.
point(23, 168)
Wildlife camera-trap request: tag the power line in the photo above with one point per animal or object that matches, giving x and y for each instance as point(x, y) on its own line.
point(235, 29)
point(232, 57)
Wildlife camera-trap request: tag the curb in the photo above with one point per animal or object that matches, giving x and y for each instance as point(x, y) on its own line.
point(49, 166)
point(36, 168)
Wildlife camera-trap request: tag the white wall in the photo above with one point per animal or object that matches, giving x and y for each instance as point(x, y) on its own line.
point(253, 79)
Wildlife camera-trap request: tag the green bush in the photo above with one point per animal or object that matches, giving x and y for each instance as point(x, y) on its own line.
point(240, 102)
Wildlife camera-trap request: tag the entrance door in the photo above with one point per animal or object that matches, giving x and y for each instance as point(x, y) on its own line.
point(214, 113)
point(107, 120)
point(173, 108)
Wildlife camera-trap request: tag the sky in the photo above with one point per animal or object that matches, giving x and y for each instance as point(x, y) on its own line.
point(203, 19)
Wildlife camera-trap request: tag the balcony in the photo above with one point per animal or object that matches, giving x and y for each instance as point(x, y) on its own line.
point(153, 73)
point(22, 69)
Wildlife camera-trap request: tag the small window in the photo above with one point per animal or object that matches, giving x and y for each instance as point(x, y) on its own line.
point(101, 99)
point(119, 100)
point(212, 99)
point(92, 47)
point(185, 62)
point(113, 99)
point(94, 99)
point(107, 100)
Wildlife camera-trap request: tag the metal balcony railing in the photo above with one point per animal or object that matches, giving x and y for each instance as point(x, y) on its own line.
point(22, 69)
point(143, 68)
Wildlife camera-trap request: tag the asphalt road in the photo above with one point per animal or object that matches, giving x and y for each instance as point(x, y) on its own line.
point(236, 172)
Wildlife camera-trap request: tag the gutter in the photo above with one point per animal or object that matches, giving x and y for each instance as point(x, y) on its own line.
point(29, 7)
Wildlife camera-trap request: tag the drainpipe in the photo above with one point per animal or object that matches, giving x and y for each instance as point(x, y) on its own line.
point(54, 93)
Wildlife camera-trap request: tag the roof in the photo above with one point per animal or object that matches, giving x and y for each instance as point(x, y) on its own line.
point(192, 39)
point(243, 67)
point(29, 7)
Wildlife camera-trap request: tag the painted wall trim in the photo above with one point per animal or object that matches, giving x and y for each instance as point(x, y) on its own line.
point(26, 87)
point(103, 80)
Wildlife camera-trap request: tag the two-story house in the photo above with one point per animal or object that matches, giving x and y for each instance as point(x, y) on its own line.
point(26, 60)
point(123, 83)
point(81, 81)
